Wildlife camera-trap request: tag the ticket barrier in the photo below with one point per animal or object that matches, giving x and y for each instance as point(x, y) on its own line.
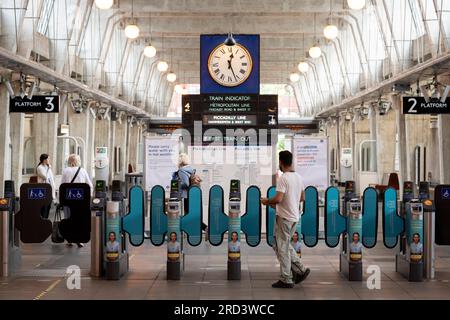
point(98, 213)
point(174, 223)
point(355, 229)
point(76, 198)
point(349, 194)
point(28, 220)
point(415, 229)
point(308, 225)
point(249, 223)
point(10, 256)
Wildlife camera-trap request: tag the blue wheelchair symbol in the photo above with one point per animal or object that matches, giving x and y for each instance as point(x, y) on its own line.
point(75, 194)
point(36, 193)
point(445, 193)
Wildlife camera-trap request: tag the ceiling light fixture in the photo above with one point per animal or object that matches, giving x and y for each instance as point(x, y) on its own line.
point(104, 4)
point(132, 30)
point(315, 52)
point(303, 67)
point(294, 77)
point(162, 66)
point(171, 77)
point(150, 50)
point(356, 4)
point(330, 31)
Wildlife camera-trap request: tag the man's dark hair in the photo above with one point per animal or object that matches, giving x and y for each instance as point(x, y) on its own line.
point(285, 158)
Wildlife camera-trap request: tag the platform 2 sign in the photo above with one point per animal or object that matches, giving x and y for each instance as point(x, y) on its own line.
point(37, 104)
point(419, 105)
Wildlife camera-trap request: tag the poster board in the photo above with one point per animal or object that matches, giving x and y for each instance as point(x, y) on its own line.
point(160, 161)
point(218, 164)
point(311, 161)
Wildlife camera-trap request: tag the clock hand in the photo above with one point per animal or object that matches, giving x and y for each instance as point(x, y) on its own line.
point(233, 73)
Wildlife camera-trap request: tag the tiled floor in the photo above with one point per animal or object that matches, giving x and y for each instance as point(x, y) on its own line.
point(43, 276)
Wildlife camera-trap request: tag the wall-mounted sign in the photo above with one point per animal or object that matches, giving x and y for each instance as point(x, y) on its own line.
point(37, 104)
point(250, 118)
point(229, 69)
point(229, 120)
point(419, 105)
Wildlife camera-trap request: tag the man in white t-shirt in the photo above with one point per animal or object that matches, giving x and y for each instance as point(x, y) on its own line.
point(290, 192)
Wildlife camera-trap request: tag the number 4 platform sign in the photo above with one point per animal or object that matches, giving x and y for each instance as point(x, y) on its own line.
point(421, 105)
point(37, 104)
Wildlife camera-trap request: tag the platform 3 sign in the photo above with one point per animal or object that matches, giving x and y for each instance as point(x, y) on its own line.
point(37, 104)
point(420, 105)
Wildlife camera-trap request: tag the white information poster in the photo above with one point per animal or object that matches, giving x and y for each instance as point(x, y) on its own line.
point(161, 161)
point(218, 165)
point(311, 161)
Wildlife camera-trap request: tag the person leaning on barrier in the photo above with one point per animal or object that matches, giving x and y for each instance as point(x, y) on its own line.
point(290, 193)
point(74, 173)
point(186, 175)
point(45, 175)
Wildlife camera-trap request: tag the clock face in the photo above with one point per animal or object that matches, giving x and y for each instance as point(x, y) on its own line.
point(230, 66)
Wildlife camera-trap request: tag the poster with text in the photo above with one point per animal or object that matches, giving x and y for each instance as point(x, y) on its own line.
point(161, 161)
point(311, 161)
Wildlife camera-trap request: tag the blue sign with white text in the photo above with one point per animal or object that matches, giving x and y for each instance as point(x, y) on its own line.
point(229, 69)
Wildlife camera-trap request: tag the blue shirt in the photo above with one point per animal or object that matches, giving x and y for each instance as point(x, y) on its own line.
point(112, 246)
point(355, 248)
point(234, 246)
point(416, 248)
point(297, 246)
point(173, 247)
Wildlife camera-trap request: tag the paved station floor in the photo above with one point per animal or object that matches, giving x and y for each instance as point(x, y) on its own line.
point(43, 275)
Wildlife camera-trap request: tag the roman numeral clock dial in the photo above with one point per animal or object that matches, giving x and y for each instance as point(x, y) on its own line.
point(230, 66)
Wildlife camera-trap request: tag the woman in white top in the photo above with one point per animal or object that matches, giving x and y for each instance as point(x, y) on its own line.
point(68, 174)
point(45, 175)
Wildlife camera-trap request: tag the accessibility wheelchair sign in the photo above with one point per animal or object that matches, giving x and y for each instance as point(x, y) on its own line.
point(445, 193)
point(36, 193)
point(74, 194)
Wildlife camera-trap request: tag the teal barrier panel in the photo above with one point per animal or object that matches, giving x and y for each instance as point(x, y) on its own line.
point(270, 217)
point(217, 219)
point(370, 217)
point(335, 224)
point(191, 223)
point(309, 221)
point(251, 220)
point(393, 225)
point(158, 217)
point(133, 222)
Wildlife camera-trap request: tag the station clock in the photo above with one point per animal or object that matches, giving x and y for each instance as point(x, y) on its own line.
point(230, 66)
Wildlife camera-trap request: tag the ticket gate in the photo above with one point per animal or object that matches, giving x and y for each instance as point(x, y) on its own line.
point(349, 194)
point(76, 198)
point(355, 229)
point(10, 256)
point(249, 223)
point(174, 223)
point(28, 220)
point(442, 204)
point(98, 213)
point(308, 225)
point(415, 229)
point(109, 256)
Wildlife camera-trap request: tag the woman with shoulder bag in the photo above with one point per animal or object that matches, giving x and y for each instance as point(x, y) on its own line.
point(74, 173)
